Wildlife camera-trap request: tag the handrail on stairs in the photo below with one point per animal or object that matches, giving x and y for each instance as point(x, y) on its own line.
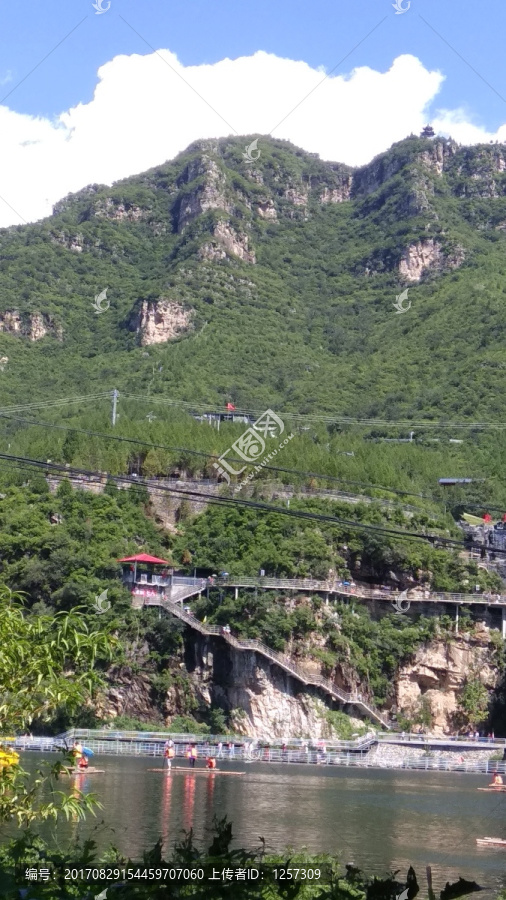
point(282, 660)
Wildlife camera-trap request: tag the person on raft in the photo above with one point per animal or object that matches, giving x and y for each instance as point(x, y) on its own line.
point(168, 755)
point(80, 757)
point(496, 780)
point(191, 755)
point(210, 763)
point(77, 752)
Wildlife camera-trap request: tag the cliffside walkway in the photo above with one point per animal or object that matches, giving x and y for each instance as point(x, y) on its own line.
point(211, 486)
point(284, 662)
point(333, 587)
point(373, 751)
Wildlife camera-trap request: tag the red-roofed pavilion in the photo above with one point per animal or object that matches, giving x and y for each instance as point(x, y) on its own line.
point(140, 575)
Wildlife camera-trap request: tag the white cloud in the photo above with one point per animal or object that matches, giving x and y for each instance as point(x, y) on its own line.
point(146, 109)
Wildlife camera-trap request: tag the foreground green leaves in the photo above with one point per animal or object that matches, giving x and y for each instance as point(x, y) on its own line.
point(30, 852)
point(46, 662)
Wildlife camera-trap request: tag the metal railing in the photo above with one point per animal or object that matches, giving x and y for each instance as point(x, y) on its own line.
point(111, 746)
point(481, 743)
point(280, 659)
point(332, 587)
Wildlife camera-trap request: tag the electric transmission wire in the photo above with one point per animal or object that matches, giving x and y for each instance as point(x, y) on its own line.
point(304, 417)
point(68, 471)
point(187, 450)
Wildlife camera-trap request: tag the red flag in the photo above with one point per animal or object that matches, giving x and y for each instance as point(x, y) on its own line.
point(230, 406)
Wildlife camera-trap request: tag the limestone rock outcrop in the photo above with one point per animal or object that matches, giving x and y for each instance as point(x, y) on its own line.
point(161, 321)
point(227, 242)
point(264, 701)
point(439, 672)
point(118, 212)
point(425, 256)
point(208, 193)
point(34, 326)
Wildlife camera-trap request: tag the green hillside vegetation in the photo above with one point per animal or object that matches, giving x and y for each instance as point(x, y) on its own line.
point(375, 466)
point(325, 279)
point(61, 551)
point(303, 323)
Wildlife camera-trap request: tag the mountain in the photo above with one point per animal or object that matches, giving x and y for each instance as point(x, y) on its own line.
point(270, 282)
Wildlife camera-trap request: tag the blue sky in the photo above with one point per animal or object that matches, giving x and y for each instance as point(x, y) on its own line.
point(320, 32)
point(445, 36)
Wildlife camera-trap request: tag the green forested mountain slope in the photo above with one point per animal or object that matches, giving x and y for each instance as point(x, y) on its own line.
point(270, 283)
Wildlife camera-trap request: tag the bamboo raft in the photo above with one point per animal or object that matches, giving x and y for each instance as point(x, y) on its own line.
point(491, 842)
point(89, 771)
point(494, 790)
point(197, 771)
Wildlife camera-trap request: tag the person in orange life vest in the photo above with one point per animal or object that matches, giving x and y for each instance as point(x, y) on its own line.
point(168, 755)
point(83, 762)
point(77, 752)
point(210, 763)
point(192, 754)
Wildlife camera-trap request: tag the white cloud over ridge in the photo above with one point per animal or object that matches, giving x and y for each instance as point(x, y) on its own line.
point(148, 108)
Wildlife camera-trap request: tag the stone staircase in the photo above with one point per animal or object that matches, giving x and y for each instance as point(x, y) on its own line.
point(285, 662)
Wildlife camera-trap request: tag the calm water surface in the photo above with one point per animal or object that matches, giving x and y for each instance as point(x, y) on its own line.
point(378, 820)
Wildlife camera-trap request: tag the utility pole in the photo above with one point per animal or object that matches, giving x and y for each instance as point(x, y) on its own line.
point(115, 396)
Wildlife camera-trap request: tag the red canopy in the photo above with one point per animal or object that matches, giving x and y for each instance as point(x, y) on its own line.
point(230, 406)
point(145, 558)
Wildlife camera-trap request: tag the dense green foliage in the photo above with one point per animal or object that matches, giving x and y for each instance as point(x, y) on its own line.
point(325, 278)
point(38, 656)
point(345, 883)
point(243, 541)
point(47, 663)
point(63, 549)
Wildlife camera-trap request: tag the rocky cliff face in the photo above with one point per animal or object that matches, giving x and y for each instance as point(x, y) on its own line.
point(428, 256)
point(33, 326)
point(161, 321)
point(264, 701)
point(111, 208)
point(209, 191)
point(439, 672)
point(227, 242)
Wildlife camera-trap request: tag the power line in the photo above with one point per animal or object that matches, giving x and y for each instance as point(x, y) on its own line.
point(65, 472)
point(344, 420)
point(136, 441)
point(250, 411)
point(64, 401)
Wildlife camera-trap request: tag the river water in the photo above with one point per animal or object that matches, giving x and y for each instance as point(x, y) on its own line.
point(378, 820)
